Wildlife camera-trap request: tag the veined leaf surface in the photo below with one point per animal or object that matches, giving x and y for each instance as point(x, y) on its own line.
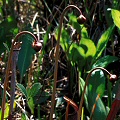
point(25, 54)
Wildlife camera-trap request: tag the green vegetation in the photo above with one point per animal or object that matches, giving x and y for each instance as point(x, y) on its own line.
point(59, 60)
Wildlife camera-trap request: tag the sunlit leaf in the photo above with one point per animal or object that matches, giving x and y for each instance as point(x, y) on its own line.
point(77, 55)
point(6, 110)
point(88, 46)
point(6, 113)
point(102, 43)
point(116, 17)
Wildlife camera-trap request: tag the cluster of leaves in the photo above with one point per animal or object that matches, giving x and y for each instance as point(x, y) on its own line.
point(81, 51)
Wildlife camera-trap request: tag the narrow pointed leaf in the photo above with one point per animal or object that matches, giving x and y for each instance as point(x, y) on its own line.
point(104, 61)
point(116, 17)
point(102, 43)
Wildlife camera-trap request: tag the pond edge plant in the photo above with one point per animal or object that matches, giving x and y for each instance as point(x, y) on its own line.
point(57, 54)
point(9, 63)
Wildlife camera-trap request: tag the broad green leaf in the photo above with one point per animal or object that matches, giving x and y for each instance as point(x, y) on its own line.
point(102, 43)
point(22, 89)
point(100, 112)
point(97, 86)
point(89, 50)
point(25, 54)
point(34, 89)
point(116, 17)
point(82, 53)
point(104, 61)
point(31, 105)
point(77, 55)
point(88, 46)
point(97, 83)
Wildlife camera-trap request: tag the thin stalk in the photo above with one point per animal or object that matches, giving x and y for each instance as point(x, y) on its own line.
point(57, 56)
point(8, 68)
point(39, 112)
point(13, 79)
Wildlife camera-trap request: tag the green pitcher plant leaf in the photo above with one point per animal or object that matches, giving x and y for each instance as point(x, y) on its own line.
point(88, 46)
point(102, 43)
point(97, 86)
point(77, 55)
point(25, 55)
point(97, 82)
point(100, 112)
point(116, 17)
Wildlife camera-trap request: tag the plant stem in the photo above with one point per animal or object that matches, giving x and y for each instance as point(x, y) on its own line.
point(57, 55)
point(8, 68)
point(13, 79)
point(86, 84)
